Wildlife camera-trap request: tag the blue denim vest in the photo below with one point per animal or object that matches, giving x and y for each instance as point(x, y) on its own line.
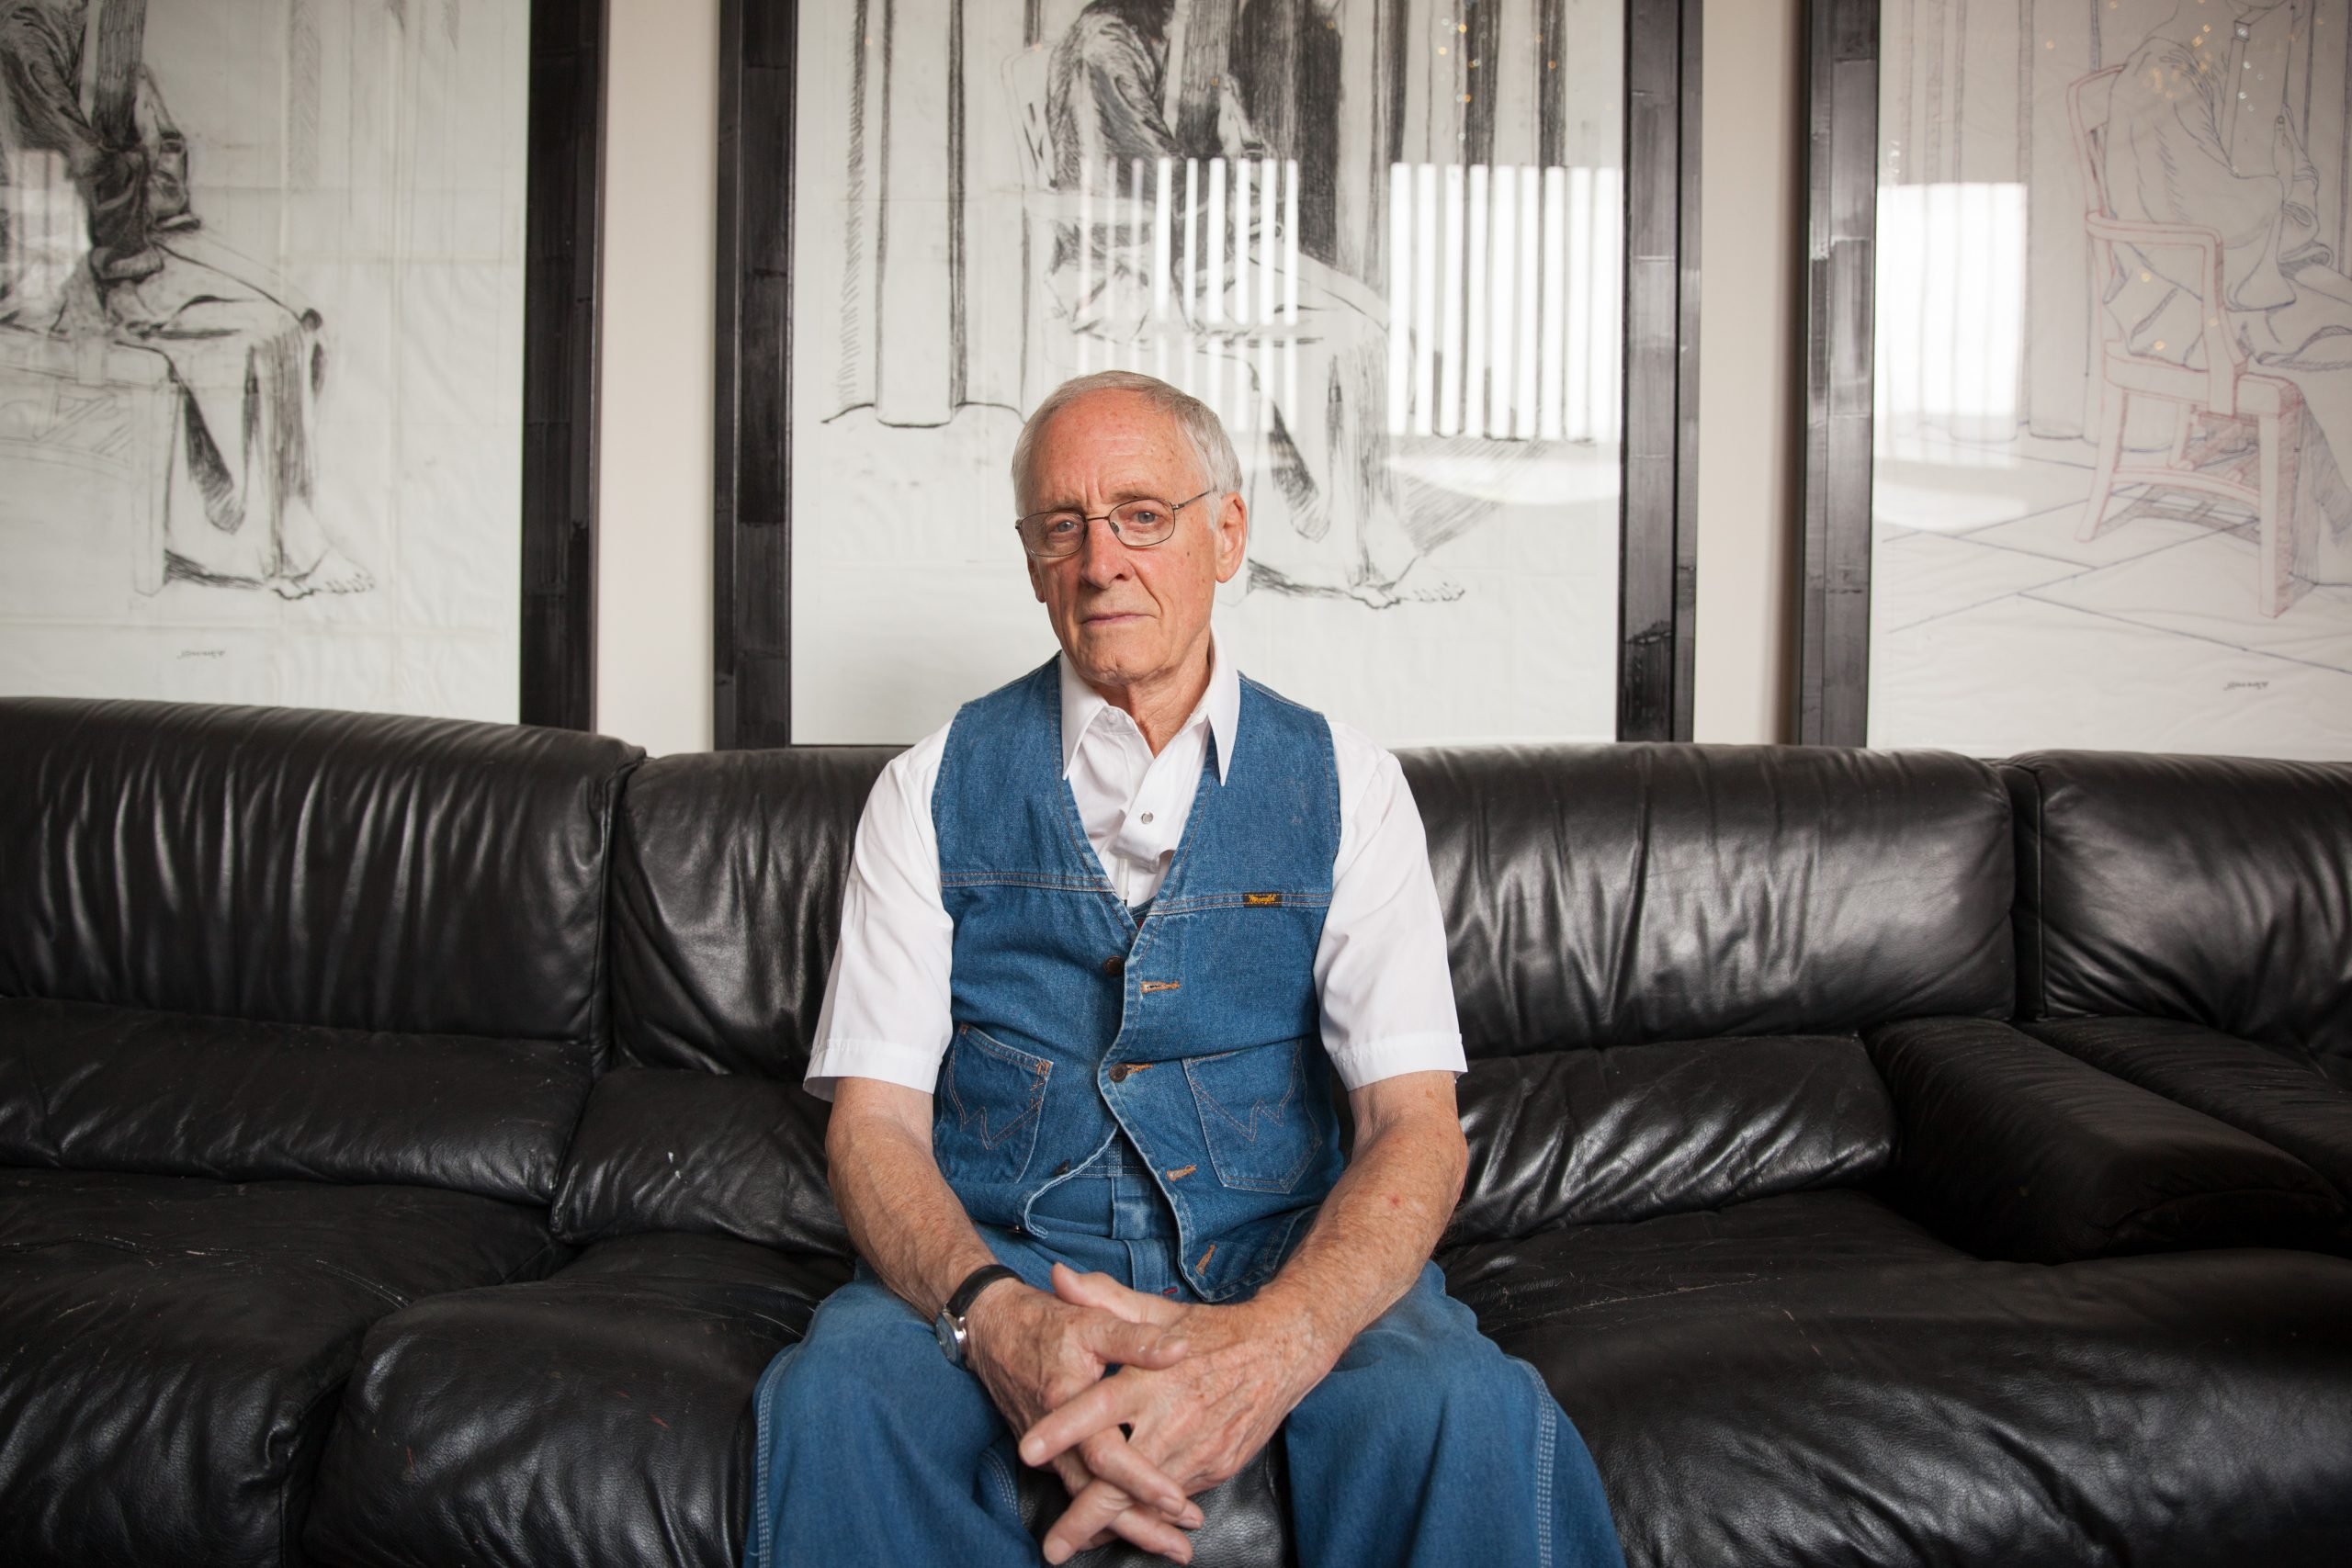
point(1194, 1031)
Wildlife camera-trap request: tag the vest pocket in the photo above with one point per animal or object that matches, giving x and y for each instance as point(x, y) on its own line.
point(991, 1102)
point(1259, 1137)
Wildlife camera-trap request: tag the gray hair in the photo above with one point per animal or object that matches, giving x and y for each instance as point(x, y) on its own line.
point(1198, 421)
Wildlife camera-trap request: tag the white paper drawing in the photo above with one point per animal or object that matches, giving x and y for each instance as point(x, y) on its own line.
point(2114, 376)
point(1383, 240)
point(260, 348)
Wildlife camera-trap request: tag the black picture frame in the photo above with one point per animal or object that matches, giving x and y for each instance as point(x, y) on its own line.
point(751, 553)
point(558, 684)
point(1832, 698)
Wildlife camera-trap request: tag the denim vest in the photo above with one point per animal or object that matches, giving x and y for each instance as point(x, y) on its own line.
point(1194, 1030)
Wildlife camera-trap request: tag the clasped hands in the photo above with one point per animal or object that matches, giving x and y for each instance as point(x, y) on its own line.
point(1199, 1389)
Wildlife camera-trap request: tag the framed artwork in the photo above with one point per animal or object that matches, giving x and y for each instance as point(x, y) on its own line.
point(2081, 375)
point(297, 352)
point(1433, 262)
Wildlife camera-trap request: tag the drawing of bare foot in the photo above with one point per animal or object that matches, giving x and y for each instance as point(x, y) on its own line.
point(335, 573)
point(1413, 585)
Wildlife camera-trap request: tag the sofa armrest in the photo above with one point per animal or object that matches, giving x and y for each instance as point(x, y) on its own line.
point(2018, 1150)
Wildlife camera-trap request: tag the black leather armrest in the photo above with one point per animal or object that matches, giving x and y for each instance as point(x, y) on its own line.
point(2018, 1150)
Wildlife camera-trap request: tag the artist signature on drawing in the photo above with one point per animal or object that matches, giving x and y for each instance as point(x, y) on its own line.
point(2244, 685)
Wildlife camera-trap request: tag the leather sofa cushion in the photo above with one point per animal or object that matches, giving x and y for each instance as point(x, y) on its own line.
point(1906, 1409)
point(360, 871)
point(173, 1347)
point(104, 1087)
point(599, 1417)
point(1613, 894)
point(723, 1154)
point(728, 872)
point(2274, 1095)
point(1583, 1136)
point(2021, 1151)
point(2216, 890)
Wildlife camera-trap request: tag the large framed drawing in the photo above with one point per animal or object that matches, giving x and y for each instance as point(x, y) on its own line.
point(1433, 261)
point(2081, 375)
point(297, 350)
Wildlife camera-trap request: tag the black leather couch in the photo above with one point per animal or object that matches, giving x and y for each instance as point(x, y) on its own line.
point(1887, 1158)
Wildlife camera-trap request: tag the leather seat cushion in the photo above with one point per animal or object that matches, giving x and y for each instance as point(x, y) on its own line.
point(599, 1416)
point(2278, 1096)
point(1807, 1385)
point(173, 1345)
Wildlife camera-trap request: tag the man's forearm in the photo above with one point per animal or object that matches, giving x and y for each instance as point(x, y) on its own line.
point(1380, 1223)
point(902, 1216)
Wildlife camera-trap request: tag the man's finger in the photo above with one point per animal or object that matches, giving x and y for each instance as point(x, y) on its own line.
point(1105, 1293)
point(1133, 1344)
point(1100, 1408)
point(1111, 1457)
point(1104, 1507)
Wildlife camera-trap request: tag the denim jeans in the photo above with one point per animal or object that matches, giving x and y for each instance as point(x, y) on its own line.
point(1425, 1445)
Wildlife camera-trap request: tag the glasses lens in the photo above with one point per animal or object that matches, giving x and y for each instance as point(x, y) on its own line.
point(1144, 522)
point(1052, 533)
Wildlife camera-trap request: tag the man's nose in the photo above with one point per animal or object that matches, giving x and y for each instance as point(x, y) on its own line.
point(1102, 555)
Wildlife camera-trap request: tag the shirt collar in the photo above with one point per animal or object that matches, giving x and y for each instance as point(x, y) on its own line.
point(1221, 704)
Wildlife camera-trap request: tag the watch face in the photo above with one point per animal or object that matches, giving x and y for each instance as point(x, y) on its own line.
point(950, 1342)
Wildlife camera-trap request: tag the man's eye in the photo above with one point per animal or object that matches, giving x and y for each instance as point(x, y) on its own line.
point(1061, 527)
point(1143, 518)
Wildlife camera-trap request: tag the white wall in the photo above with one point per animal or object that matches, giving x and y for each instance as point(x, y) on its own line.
point(1751, 224)
point(653, 515)
point(654, 418)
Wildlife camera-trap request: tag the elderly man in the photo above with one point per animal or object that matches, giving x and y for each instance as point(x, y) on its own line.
point(1094, 930)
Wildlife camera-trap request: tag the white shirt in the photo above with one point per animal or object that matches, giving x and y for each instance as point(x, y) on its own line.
point(1380, 969)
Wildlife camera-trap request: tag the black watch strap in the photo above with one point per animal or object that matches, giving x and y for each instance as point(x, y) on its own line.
point(976, 1282)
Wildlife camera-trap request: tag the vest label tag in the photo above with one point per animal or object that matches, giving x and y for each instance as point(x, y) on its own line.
point(1260, 900)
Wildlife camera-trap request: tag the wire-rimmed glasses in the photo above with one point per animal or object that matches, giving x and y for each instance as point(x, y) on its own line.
point(1138, 523)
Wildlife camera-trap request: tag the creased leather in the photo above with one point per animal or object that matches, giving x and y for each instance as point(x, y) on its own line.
point(1613, 894)
point(2274, 1095)
point(95, 1087)
point(727, 903)
point(727, 1154)
point(1584, 1136)
point(599, 1417)
point(291, 865)
point(2019, 1150)
point(2215, 890)
point(172, 1348)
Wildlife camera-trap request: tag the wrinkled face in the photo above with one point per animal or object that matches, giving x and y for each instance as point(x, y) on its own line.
point(1128, 617)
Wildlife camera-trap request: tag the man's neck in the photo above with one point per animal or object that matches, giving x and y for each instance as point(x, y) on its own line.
point(1159, 708)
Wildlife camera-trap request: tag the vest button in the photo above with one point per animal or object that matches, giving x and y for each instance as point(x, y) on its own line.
point(1119, 1071)
point(1115, 964)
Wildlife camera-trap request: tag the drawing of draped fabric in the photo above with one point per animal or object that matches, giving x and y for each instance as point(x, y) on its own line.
point(2167, 161)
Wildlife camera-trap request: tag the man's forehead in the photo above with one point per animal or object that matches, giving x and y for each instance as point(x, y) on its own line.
point(1109, 444)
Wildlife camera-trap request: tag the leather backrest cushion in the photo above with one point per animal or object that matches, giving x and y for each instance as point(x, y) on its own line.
point(88, 1087)
point(1611, 894)
point(727, 902)
point(360, 871)
point(676, 1149)
point(2216, 890)
point(1588, 1138)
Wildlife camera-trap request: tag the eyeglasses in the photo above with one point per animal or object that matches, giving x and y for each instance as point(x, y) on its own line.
point(1138, 523)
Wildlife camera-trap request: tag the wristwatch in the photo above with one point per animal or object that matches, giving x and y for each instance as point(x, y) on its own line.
point(949, 1324)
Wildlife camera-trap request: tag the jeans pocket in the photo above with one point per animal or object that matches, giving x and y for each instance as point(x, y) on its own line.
point(991, 1099)
point(1259, 1134)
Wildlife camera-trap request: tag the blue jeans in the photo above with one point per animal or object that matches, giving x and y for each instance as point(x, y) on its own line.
point(1425, 1445)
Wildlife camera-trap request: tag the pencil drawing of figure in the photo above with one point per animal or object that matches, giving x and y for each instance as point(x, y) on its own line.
point(94, 249)
point(2176, 153)
point(1114, 104)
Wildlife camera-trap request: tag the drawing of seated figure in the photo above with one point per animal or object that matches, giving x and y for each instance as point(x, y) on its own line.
point(1113, 107)
point(245, 367)
point(2180, 128)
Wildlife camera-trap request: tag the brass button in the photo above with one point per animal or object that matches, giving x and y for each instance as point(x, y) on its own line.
point(1115, 964)
point(1062, 1169)
point(1119, 1071)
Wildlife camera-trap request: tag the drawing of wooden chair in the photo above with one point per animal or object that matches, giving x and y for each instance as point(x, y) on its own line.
point(2222, 396)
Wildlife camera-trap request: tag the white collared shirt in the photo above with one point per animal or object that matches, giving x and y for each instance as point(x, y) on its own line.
point(1380, 969)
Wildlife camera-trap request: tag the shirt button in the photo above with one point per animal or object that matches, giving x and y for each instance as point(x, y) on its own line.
point(1146, 816)
point(1115, 964)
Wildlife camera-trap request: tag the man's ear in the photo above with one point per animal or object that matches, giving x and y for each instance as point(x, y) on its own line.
point(1232, 527)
